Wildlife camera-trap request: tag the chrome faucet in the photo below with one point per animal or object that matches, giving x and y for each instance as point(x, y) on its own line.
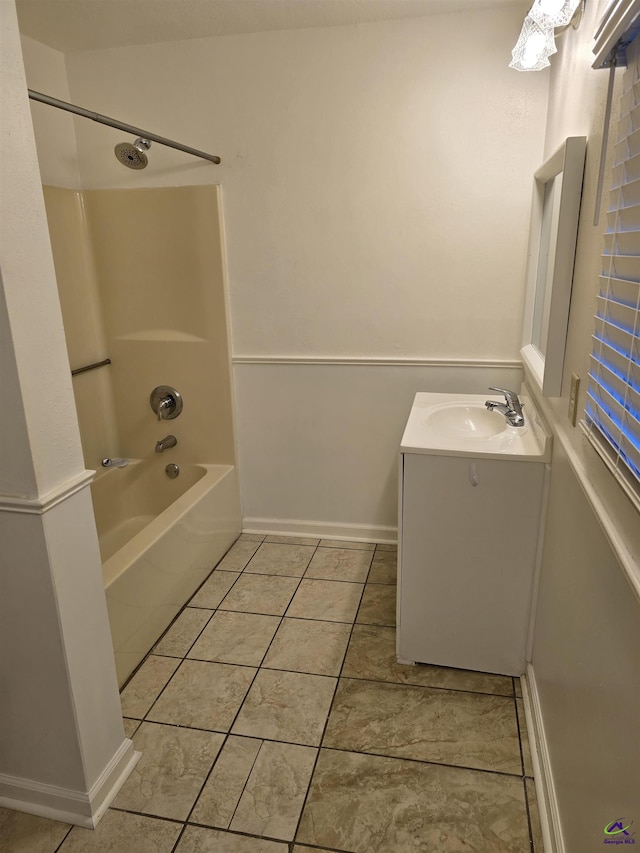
point(513, 408)
point(166, 443)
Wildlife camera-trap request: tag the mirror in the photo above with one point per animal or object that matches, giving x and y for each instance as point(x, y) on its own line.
point(552, 246)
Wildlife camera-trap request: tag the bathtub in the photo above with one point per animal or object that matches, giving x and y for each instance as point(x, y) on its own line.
point(159, 539)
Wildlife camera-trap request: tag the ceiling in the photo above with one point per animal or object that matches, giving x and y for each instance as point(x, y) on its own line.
point(70, 25)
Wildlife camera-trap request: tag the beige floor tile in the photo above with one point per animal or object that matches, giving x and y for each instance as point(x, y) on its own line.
point(266, 594)
point(174, 765)
point(279, 559)
point(293, 540)
point(120, 832)
point(27, 833)
point(198, 840)
point(286, 706)
point(343, 543)
point(369, 804)
point(145, 686)
point(238, 555)
point(445, 726)
point(329, 601)
point(384, 567)
point(383, 547)
point(130, 726)
point(340, 564)
point(372, 655)
point(251, 537)
point(306, 645)
point(517, 686)
point(378, 605)
point(524, 739)
point(240, 638)
point(534, 816)
point(221, 794)
point(203, 695)
point(298, 848)
point(214, 589)
point(184, 631)
point(273, 798)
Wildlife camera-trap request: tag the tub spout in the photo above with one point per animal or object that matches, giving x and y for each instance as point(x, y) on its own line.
point(166, 443)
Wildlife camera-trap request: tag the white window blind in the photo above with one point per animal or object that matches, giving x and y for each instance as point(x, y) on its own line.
point(613, 402)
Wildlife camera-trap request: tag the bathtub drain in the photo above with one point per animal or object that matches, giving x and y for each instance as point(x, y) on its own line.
point(172, 470)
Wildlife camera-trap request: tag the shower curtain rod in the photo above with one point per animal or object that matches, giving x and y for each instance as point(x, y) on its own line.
point(119, 125)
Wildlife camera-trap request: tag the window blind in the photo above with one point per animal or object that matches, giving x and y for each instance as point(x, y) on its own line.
point(613, 395)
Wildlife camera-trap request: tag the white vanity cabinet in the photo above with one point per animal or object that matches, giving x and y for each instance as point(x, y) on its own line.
point(468, 540)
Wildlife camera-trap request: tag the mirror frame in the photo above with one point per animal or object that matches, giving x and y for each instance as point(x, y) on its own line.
point(546, 368)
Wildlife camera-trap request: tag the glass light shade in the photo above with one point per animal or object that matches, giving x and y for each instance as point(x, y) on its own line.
point(554, 13)
point(533, 48)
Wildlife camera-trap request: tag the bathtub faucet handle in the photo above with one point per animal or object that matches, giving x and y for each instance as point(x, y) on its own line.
point(165, 405)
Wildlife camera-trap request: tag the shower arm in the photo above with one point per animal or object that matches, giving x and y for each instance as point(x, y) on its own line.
point(119, 125)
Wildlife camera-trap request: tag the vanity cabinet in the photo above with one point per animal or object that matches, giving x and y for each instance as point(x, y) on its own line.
point(468, 542)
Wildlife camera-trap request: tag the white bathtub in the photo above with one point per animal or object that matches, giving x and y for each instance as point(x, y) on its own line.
point(159, 539)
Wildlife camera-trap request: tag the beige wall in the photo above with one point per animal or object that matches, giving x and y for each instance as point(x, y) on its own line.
point(376, 177)
point(586, 651)
point(54, 129)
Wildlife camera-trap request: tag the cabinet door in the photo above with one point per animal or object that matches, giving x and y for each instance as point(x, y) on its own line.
point(469, 535)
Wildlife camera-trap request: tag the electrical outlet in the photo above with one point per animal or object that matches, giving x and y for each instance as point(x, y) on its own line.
point(573, 398)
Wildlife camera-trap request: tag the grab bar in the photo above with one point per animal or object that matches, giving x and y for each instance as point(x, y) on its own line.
point(90, 366)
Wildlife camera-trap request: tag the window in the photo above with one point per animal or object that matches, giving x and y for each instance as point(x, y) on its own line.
point(613, 401)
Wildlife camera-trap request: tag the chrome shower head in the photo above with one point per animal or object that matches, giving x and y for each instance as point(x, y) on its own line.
point(132, 155)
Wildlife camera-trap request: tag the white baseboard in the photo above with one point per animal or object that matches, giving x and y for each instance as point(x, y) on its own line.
point(545, 790)
point(321, 530)
point(64, 804)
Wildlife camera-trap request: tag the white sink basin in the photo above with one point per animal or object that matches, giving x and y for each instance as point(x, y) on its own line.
point(461, 425)
point(466, 420)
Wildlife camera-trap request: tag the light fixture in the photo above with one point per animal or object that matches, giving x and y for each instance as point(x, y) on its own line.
point(554, 13)
point(534, 47)
point(537, 41)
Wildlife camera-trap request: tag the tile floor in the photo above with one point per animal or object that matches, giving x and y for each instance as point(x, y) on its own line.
point(272, 717)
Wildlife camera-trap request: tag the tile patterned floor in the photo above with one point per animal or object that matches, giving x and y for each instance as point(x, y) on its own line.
point(273, 717)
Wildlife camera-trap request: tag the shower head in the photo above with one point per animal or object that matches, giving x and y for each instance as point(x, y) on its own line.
point(132, 155)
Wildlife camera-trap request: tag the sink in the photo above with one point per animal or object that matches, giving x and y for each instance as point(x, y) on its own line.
point(465, 420)
point(461, 425)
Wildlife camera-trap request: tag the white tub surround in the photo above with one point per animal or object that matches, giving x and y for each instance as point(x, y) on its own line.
point(160, 539)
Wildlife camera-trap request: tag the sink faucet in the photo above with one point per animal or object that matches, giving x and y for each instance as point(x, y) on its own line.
point(166, 443)
point(513, 408)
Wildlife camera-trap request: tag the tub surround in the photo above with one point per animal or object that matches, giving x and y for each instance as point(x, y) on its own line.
point(142, 281)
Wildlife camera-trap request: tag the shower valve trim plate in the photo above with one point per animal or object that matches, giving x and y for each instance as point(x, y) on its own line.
point(166, 402)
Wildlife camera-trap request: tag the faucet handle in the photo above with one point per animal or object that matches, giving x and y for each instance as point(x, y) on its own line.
point(510, 396)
